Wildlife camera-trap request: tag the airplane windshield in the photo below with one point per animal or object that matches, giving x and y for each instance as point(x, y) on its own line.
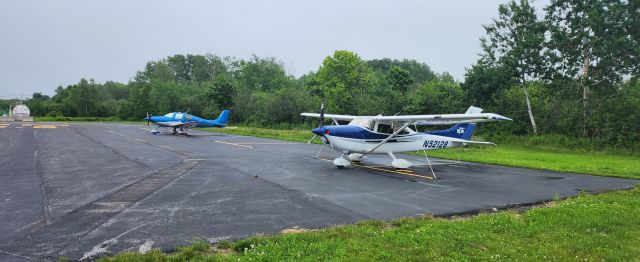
point(362, 121)
point(169, 115)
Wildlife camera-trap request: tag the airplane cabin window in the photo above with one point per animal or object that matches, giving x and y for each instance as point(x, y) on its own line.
point(385, 129)
point(405, 131)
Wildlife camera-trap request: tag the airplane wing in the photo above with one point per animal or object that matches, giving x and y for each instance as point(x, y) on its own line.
point(470, 141)
point(181, 124)
point(444, 119)
point(331, 116)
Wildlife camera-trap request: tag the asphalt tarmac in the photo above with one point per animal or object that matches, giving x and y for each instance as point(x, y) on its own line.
point(88, 190)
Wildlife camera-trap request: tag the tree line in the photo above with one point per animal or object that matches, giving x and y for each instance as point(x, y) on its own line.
point(571, 68)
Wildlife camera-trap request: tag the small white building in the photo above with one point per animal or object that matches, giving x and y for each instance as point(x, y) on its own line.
point(21, 112)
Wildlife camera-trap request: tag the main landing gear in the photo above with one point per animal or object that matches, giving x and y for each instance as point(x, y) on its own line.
point(398, 162)
point(346, 159)
point(179, 131)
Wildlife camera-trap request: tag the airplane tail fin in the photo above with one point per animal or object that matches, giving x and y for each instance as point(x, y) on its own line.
point(461, 131)
point(223, 119)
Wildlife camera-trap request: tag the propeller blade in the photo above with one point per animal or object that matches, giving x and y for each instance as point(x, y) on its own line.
point(148, 116)
point(321, 123)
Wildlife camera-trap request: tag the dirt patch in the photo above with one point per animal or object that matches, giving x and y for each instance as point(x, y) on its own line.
point(296, 230)
point(222, 251)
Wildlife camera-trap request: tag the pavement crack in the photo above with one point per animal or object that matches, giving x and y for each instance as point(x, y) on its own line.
point(113, 150)
point(103, 247)
point(76, 224)
point(45, 198)
point(20, 256)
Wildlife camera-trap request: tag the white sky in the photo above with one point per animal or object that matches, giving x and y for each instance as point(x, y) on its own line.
point(44, 44)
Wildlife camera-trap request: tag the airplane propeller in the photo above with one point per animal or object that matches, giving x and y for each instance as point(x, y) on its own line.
point(320, 122)
point(148, 118)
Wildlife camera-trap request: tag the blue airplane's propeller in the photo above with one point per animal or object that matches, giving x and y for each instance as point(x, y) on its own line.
point(148, 118)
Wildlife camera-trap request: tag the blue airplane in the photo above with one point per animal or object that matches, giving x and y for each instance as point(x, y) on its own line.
point(184, 122)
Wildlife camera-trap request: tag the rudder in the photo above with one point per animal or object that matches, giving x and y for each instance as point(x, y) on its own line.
point(223, 119)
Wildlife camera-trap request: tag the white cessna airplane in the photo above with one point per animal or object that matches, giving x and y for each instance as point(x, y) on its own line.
point(392, 134)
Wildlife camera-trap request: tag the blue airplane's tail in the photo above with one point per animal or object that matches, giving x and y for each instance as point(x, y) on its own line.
point(462, 131)
point(223, 119)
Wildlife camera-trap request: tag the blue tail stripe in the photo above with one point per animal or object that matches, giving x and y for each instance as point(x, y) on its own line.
point(462, 131)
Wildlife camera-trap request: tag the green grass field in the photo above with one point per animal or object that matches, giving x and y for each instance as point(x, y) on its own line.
point(585, 228)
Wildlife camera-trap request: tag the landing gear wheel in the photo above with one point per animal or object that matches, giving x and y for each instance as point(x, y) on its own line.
point(401, 164)
point(340, 162)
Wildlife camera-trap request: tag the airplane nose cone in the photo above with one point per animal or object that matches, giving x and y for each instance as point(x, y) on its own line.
point(318, 131)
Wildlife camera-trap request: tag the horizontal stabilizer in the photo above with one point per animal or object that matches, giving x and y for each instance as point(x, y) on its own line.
point(470, 141)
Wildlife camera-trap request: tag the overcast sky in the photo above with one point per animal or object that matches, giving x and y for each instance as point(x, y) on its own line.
point(44, 44)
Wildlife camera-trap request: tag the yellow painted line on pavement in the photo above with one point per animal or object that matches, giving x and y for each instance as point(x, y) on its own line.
point(27, 124)
point(233, 144)
point(4, 126)
point(44, 126)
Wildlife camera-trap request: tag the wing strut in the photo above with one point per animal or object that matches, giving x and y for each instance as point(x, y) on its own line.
point(390, 137)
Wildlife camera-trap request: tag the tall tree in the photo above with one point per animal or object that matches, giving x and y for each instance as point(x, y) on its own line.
point(400, 79)
point(342, 78)
point(484, 83)
point(515, 40)
point(263, 74)
point(595, 42)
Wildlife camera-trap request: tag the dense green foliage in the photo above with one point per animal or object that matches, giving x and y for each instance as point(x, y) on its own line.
point(576, 65)
point(585, 228)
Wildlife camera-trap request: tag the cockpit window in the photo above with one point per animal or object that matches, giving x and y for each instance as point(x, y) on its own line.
point(385, 129)
point(169, 115)
point(363, 121)
point(179, 115)
point(389, 129)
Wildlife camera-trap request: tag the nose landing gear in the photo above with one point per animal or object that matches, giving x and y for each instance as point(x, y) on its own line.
point(342, 161)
